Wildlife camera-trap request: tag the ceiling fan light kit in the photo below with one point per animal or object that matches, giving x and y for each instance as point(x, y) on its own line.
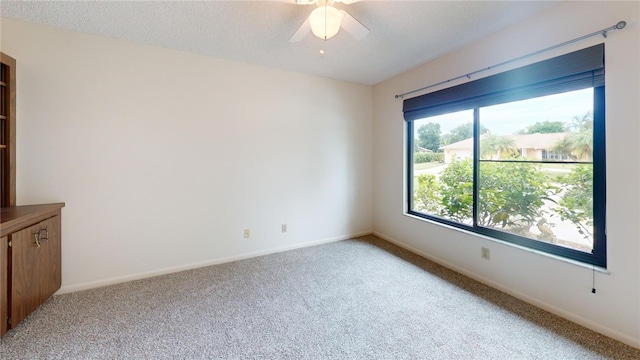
point(325, 21)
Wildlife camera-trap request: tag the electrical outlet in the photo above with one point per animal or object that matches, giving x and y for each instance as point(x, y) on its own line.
point(247, 233)
point(486, 253)
point(284, 228)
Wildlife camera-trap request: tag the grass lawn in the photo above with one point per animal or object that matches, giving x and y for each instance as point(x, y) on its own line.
point(427, 165)
point(555, 171)
point(558, 166)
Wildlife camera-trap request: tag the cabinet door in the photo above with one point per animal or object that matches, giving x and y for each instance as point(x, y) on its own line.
point(25, 270)
point(35, 267)
point(50, 276)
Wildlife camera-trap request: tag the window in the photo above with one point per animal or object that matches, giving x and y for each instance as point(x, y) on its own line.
point(554, 155)
point(517, 156)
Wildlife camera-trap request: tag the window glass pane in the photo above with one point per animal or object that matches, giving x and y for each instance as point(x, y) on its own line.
point(536, 175)
point(442, 180)
point(557, 127)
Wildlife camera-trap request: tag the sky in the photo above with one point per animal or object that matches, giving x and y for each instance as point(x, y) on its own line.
point(506, 119)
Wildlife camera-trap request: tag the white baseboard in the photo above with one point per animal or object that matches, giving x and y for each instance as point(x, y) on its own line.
point(174, 269)
point(629, 340)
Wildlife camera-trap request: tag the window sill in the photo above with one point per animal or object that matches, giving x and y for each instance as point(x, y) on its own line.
point(534, 251)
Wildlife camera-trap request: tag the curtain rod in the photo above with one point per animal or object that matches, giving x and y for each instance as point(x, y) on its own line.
point(603, 32)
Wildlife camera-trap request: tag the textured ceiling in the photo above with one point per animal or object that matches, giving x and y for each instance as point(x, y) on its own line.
point(404, 34)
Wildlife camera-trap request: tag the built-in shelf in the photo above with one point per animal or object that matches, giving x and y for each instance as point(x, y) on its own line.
point(7, 132)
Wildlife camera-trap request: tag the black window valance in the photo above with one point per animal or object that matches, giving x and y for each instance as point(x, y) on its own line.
point(576, 70)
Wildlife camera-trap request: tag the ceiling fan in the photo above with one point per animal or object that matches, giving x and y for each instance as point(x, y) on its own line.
point(325, 21)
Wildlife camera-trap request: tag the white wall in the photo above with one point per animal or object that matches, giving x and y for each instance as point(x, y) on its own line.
point(553, 284)
point(164, 157)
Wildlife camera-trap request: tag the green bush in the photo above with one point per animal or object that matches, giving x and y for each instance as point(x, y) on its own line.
point(511, 194)
point(576, 203)
point(425, 157)
point(457, 190)
point(427, 194)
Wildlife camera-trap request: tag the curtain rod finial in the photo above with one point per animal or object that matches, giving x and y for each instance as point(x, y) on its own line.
point(621, 25)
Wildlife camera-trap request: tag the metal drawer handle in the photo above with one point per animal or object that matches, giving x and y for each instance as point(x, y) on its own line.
point(39, 237)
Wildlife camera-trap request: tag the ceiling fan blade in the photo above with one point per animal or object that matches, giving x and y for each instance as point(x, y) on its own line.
point(353, 26)
point(302, 31)
point(347, 2)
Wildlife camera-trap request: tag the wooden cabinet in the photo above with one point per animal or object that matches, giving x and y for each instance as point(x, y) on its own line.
point(4, 285)
point(29, 235)
point(30, 260)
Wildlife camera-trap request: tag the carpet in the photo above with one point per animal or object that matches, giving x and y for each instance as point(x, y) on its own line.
point(362, 298)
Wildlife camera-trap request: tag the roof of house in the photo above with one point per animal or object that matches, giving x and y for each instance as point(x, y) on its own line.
point(528, 141)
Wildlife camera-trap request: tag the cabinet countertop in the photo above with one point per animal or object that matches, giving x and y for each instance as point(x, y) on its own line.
point(18, 217)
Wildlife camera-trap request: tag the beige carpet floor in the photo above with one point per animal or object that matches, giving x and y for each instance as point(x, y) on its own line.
point(355, 299)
